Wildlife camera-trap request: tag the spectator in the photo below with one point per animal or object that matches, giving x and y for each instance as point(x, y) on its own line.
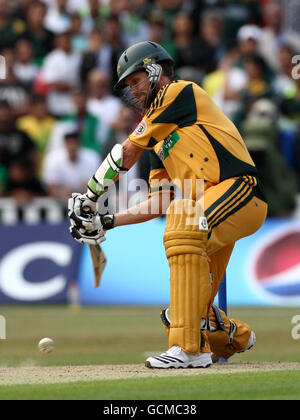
point(237, 77)
point(141, 7)
point(122, 128)
point(22, 184)
point(290, 105)
point(169, 8)
point(112, 30)
point(10, 28)
point(38, 124)
point(11, 89)
point(57, 19)
point(158, 33)
point(261, 136)
point(274, 35)
point(14, 143)
point(93, 14)
point(238, 14)
point(212, 37)
point(134, 27)
point(82, 121)
point(68, 169)
point(60, 72)
point(113, 33)
point(40, 38)
point(24, 68)
point(99, 55)
point(296, 157)
point(218, 84)
point(284, 82)
point(257, 86)
point(249, 37)
point(19, 10)
point(101, 102)
point(208, 48)
point(79, 41)
point(286, 88)
point(183, 35)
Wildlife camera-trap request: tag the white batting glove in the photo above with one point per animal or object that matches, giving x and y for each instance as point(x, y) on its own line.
point(91, 237)
point(82, 210)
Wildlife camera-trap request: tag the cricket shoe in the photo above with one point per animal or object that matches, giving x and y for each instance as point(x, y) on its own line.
point(176, 358)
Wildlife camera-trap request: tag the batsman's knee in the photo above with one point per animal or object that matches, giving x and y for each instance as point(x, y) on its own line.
point(186, 230)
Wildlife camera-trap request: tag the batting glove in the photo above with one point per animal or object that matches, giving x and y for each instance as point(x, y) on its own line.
point(82, 210)
point(90, 237)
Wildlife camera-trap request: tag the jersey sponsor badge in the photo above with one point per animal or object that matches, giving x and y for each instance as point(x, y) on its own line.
point(140, 129)
point(203, 225)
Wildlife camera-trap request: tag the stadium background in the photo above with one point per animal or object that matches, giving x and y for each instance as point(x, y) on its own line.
point(61, 59)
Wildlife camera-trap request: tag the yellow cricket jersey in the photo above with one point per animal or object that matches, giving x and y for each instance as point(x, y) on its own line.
point(192, 137)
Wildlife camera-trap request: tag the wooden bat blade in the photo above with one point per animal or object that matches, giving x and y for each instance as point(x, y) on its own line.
point(99, 263)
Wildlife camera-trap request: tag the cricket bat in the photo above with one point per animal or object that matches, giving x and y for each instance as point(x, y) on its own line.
point(99, 263)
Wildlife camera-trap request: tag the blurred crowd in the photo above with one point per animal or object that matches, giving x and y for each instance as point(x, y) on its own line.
point(59, 115)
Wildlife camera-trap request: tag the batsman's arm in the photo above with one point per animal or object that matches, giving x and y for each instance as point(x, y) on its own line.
point(121, 158)
point(152, 208)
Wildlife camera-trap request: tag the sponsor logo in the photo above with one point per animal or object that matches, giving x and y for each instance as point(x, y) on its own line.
point(168, 144)
point(147, 61)
point(275, 265)
point(14, 264)
point(119, 70)
point(140, 129)
point(203, 225)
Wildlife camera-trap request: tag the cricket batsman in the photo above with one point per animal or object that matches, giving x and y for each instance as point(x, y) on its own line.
point(191, 143)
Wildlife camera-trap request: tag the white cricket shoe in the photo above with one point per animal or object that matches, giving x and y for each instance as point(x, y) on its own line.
point(176, 358)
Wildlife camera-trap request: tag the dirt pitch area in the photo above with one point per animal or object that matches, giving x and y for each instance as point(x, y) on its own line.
point(60, 374)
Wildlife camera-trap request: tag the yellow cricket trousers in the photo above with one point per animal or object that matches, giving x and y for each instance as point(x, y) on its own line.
point(234, 209)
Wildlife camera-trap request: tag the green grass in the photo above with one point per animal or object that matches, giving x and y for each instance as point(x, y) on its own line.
point(119, 335)
point(283, 385)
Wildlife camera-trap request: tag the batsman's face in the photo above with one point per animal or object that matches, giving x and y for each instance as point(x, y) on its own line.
point(139, 86)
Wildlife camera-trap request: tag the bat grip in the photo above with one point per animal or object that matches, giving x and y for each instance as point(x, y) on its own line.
point(86, 209)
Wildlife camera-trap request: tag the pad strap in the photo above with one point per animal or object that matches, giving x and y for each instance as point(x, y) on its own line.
point(219, 318)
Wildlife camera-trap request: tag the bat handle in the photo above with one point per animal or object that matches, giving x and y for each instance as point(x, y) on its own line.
point(86, 209)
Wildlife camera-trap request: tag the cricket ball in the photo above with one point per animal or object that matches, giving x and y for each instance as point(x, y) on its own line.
point(46, 345)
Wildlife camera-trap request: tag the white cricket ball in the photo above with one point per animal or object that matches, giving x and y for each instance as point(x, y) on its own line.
point(46, 345)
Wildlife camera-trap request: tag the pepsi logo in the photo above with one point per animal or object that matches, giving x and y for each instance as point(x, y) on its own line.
point(275, 265)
